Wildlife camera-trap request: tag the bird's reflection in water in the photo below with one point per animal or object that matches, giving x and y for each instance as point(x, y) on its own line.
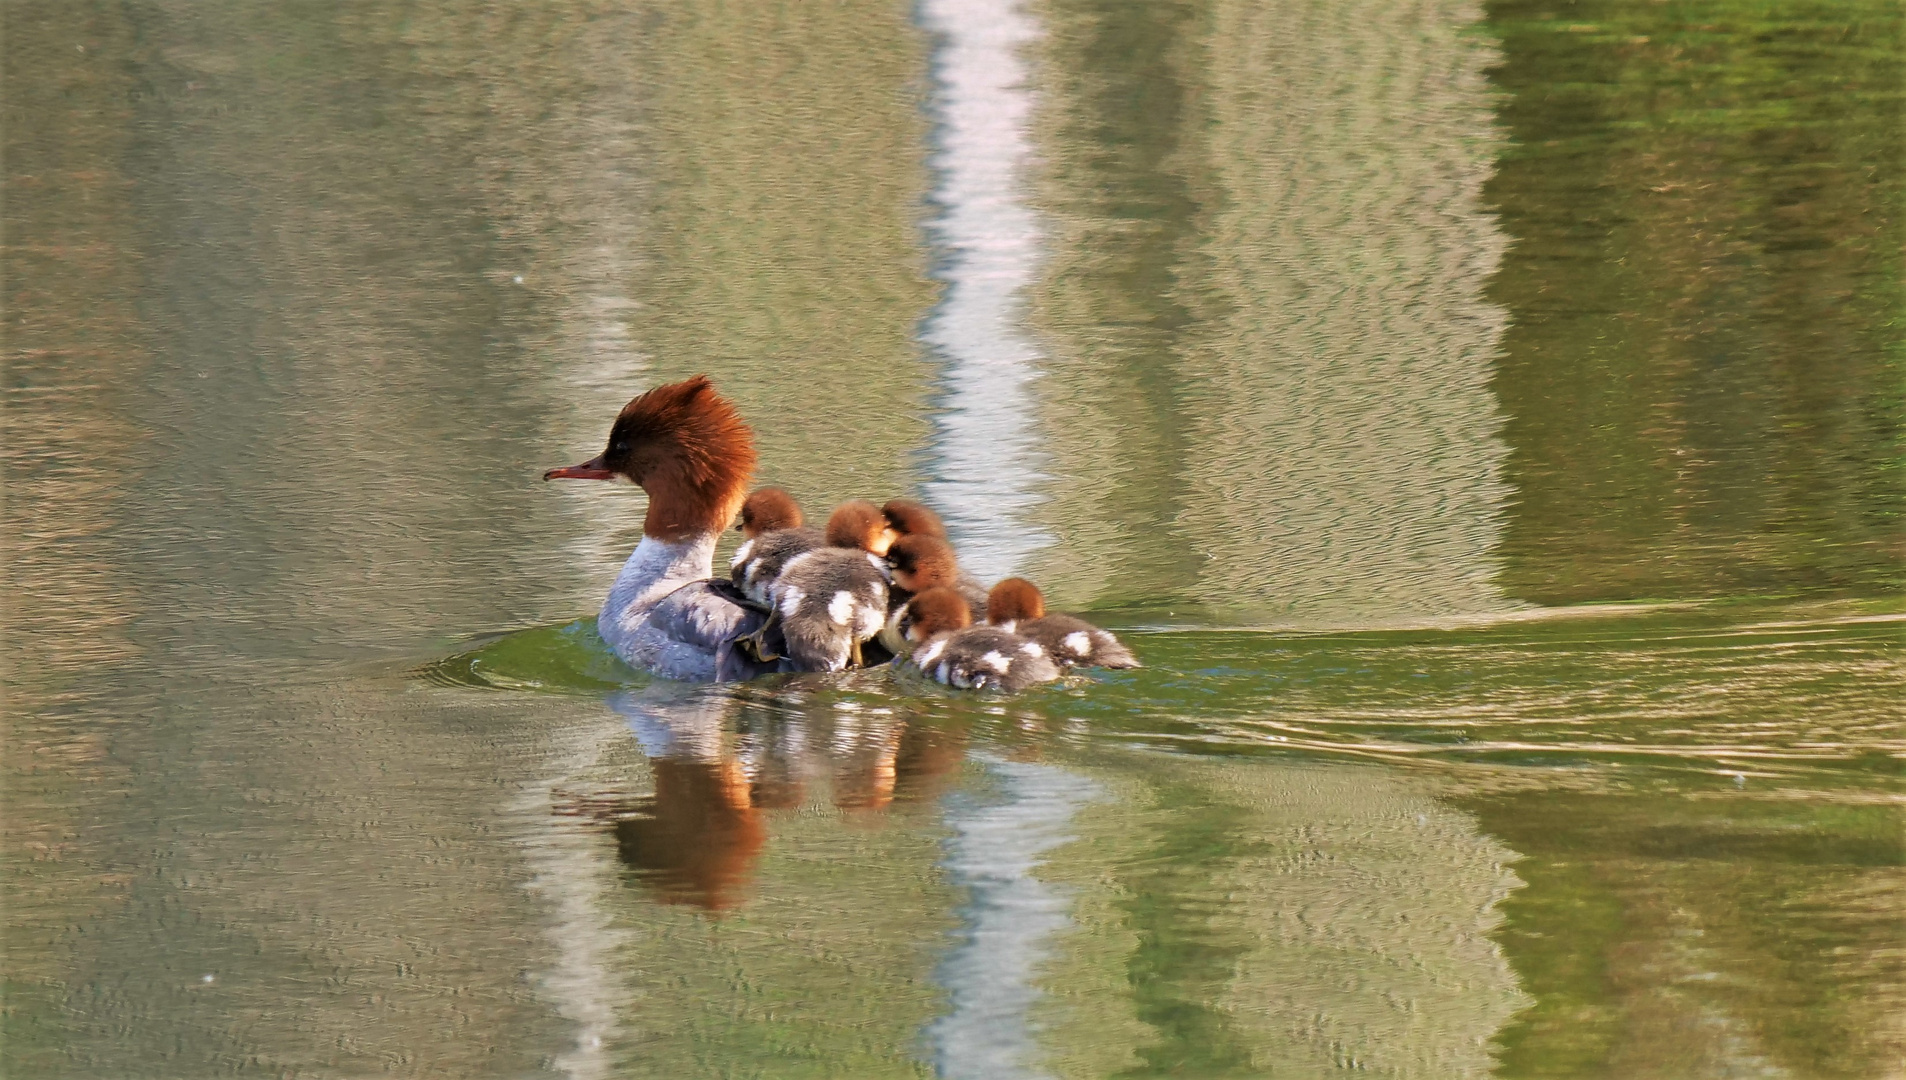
point(722, 762)
point(697, 837)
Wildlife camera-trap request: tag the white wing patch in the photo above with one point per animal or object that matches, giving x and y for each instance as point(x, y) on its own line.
point(791, 598)
point(997, 661)
point(1079, 642)
point(927, 654)
point(841, 608)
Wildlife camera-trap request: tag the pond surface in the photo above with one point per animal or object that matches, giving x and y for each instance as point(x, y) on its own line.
point(1484, 420)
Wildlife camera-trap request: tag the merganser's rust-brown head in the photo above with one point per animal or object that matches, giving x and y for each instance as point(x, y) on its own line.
point(688, 448)
point(1012, 600)
point(908, 518)
point(936, 611)
point(922, 562)
point(857, 524)
point(768, 509)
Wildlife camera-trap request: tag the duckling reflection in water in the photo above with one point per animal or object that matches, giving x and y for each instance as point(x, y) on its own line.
point(720, 765)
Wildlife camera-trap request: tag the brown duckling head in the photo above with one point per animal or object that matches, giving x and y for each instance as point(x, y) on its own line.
point(909, 518)
point(922, 562)
point(768, 509)
point(1013, 600)
point(857, 523)
point(937, 611)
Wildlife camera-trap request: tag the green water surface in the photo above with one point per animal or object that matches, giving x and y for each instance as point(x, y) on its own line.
point(1482, 418)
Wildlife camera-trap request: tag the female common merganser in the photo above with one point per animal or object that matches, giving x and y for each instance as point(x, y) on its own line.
point(951, 650)
point(1016, 605)
point(690, 450)
point(771, 521)
point(832, 598)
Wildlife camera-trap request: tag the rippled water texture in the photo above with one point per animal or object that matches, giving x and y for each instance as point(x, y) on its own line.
point(1483, 419)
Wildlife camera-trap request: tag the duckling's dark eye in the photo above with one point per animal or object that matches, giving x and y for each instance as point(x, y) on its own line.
point(620, 446)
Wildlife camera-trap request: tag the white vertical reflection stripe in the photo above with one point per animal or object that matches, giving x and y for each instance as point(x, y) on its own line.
point(575, 872)
point(986, 247)
point(1011, 917)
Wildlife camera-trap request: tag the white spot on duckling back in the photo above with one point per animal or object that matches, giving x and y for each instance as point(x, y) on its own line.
point(841, 608)
point(927, 654)
point(1079, 642)
point(1031, 648)
point(791, 598)
point(996, 660)
point(741, 554)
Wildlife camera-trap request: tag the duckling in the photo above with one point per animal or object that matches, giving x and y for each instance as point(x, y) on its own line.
point(918, 562)
point(905, 517)
point(768, 509)
point(948, 648)
point(771, 521)
point(831, 599)
point(1016, 605)
point(922, 561)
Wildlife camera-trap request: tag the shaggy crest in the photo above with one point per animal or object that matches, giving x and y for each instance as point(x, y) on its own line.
point(767, 510)
point(1012, 600)
point(690, 450)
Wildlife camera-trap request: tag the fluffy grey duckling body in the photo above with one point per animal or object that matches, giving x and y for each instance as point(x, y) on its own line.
point(831, 599)
point(950, 650)
point(1016, 604)
point(771, 521)
point(758, 563)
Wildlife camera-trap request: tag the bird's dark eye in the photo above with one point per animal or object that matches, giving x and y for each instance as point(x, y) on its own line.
point(620, 446)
